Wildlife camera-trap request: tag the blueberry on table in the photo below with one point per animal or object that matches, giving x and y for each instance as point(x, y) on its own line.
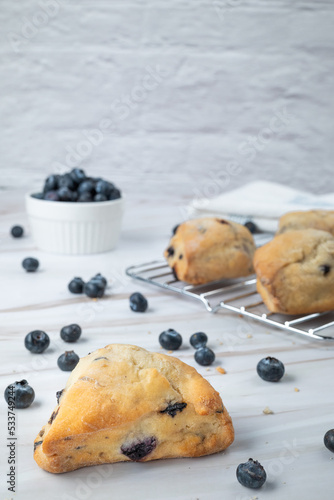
point(94, 289)
point(251, 226)
point(198, 340)
point(170, 340)
point(37, 341)
point(329, 440)
point(68, 361)
point(251, 474)
point(17, 231)
point(52, 196)
point(270, 369)
point(30, 264)
point(19, 395)
point(76, 285)
point(138, 303)
point(70, 333)
point(101, 279)
point(204, 356)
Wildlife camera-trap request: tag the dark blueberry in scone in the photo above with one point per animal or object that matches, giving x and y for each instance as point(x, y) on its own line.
point(37, 341)
point(204, 356)
point(78, 175)
point(51, 183)
point(324, 268)
point(30, 264)
point(94, 289)
point(172, 409)
point(138, 303)
point(68, 361)
point(115, 194)
point(51, 196)
point(17, 231)
point(86, 187)
point(19, 395)
point(270, 369)
point(175, 228)
point(170, 339)
point(85, 197)
point(139, 449)
point(38, 196)
point(251, 474)
point(76, 285)
point(198, 340)
point(59, 395)
point(104, 187)
point(65, 194)
point(70, 333)
point(67, 181)
point(100, 197)
point(251, 226)
point(170, 251)
point(329, 440)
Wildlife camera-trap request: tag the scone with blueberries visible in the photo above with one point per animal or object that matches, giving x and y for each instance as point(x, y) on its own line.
point(123, 403)
point(210, 249)
point(295, 272)
point(309, 219)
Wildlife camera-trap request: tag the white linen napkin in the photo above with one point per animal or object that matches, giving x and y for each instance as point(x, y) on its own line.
point(261, 202)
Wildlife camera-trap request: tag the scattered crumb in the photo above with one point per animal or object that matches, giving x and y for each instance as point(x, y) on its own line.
point(254, 498)
point(296, 389)
point(170, 352)
point(249, 336)
point(208, 369)
point(221, 370)
point(221, 343)
point(94, 300)
point(284, 482)
point(268, 411)
point(149, 333)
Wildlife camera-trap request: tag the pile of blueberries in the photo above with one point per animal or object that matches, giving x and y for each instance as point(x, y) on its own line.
point(94, 288)
point(76, 186)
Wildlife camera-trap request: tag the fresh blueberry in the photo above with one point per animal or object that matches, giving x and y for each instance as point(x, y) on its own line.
point(86, 187)
point(38, 196)
point(67, 181)
point(170, 339)
point(19, 395)
point(30, 264)
point(198, 340)
point(51, 196)
point(138, 303)
point(85, 197)
point(37, 341)
point(76, 285)
point(70, 333)
point(78, 175)
point(139, 448)
point(68, 361)
point(101, 279)
point(204, 356)
point(100, 197)
point(251, 474)
point(17, 231)
point(115, 194)
point(329, 440)
point(94, 289)
point(65, 194)
point(251, 226)
point(270, 369)
point(104, 187)
point(51, 183)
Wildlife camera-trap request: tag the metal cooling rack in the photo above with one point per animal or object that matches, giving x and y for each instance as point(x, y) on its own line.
point(239, 296)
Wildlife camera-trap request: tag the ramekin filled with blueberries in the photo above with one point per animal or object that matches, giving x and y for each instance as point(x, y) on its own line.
point(76, 214)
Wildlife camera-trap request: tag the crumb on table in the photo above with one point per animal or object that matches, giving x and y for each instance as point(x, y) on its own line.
point(268, 411)
point(221, 370)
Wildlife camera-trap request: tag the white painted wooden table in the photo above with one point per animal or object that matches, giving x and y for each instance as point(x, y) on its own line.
point(288, 443)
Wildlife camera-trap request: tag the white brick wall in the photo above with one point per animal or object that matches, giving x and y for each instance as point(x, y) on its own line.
point(225, 67)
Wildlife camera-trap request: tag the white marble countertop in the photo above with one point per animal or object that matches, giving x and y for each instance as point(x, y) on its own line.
point(288, 443)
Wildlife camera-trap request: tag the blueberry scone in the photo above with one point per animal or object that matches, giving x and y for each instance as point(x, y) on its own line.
point(123, 403)
point(208, 249)
point(310, 219)
point(295, 272)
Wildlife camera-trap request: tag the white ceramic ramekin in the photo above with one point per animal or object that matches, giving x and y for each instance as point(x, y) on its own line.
point(75, 228)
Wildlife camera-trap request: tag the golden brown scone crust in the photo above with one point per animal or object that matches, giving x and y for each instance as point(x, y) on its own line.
point(310, 219)
point(295, 272)
point(115, 400)
point(209, 249)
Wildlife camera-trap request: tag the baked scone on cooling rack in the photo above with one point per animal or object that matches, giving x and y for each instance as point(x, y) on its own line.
point(295, 272)
point(309, 219)
point(209, 249)
point(123, 403)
